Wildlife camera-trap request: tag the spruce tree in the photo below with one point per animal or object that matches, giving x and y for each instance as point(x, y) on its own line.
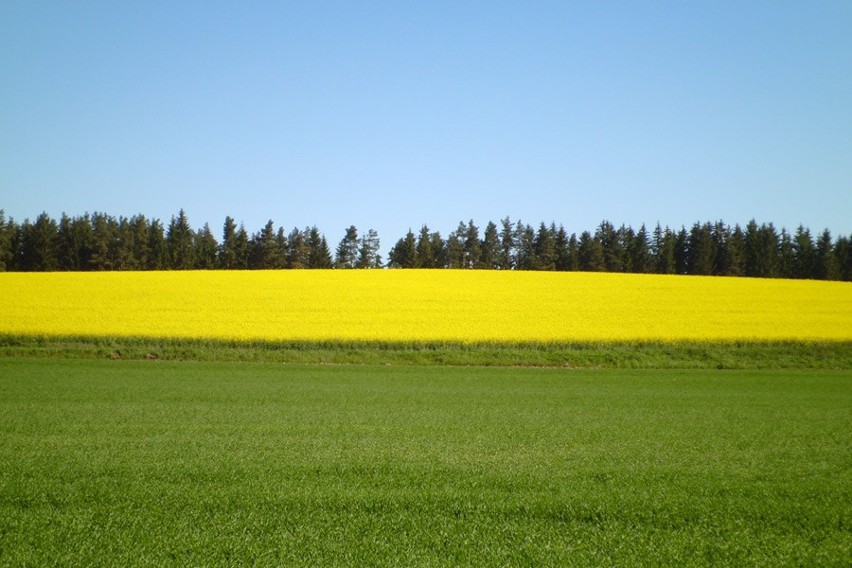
point(424, 255)
point(227, 257)
point(507, 245)
point(490, 250)
point(179, 242)
point(590, 253)
point(205, 248)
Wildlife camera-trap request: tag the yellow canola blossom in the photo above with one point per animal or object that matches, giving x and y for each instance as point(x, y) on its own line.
point(422, 305)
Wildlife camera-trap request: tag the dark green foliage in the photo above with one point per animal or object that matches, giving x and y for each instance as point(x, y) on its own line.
point(179, 243)
point(490, 249)
point(265, 250)
point(404, 253)
point(102, 242)
point(346, 255)
point(368, 251)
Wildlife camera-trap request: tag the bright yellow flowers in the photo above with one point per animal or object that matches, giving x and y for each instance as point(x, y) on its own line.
point(421, 305)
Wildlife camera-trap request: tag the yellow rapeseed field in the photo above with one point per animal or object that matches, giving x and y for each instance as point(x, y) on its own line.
point(421, 305)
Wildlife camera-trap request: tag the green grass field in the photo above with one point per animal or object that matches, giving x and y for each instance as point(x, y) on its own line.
point(231, 464)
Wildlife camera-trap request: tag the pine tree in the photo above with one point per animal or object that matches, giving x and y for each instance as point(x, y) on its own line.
point(346, 255)
point(368, 251)
point(298, 252)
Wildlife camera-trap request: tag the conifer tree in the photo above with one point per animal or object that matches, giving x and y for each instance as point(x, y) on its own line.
point(205, 248)
point(227, 257)
point(490, 248)
point(346, 255)
point(424, 255)
point(368, 251)
point(6, 231)
point(179, 242)
point(507, 245)
point(590, 252)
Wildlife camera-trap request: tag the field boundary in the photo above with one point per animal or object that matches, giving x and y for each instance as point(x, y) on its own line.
point(616, 354)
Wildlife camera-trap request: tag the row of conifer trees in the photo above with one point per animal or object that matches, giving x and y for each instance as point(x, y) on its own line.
point(103, 242)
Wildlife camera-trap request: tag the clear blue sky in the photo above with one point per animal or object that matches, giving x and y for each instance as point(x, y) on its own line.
point(394, 114)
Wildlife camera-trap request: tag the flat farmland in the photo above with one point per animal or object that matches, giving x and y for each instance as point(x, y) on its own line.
point(192, 463)
point(458, 306)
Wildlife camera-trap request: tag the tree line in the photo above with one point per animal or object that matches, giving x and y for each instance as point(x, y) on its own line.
point(103, 242)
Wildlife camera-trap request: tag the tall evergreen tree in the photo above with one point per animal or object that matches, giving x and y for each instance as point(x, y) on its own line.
point(264, 248)
point(404, 252)
point(507, 245)
point(319, 255)
point(525, 257)
point(663, 250)
point(179, 243)
point(843, 258)
point(786, 255)
point(735, 253)
point(612, 246)
point(75, 243)
point(591, 253)
point(701, 250)
point(227, 255)
point(490, 249)
point(439, 250)
point(424, 255)
point(205, 248)
point(346, 255)
point(298, 251)
point(563, 252)
point(544, 248)
point(825, 264)
point(804, 254)
point(640, 252)
point(158, 254)
point(6, 232)
point(681, 251)
point(368, 252)
point(39, 244)
point(455, 251)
